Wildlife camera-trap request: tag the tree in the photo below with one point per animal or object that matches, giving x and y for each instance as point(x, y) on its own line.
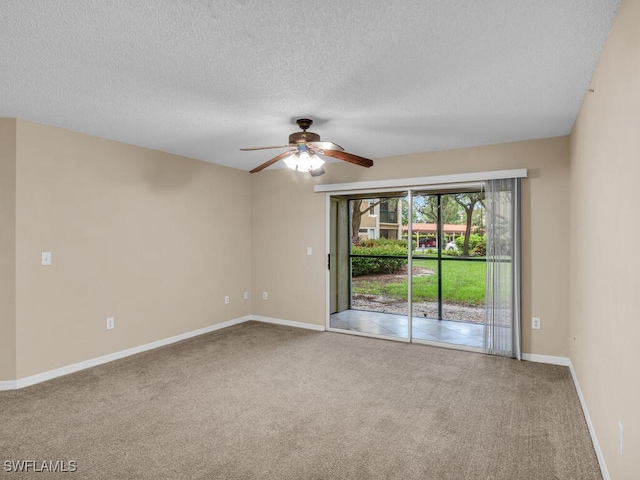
point(478, 220)
point(356, 217)
point(357, 211)
point(405, 211)
point(429, 210)
point(468, 202)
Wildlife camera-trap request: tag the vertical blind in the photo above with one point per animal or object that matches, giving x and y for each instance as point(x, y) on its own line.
point(502, 313)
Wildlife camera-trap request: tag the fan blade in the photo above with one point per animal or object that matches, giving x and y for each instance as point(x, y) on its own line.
point(325, 146)
point(264, 148)
point(349, 157)
point(272, 161)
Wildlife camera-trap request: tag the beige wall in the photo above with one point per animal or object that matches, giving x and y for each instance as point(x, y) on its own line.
point(605, 228)
point(289, 217)
point(7, 249)
point(157, 240)
point(153, 239)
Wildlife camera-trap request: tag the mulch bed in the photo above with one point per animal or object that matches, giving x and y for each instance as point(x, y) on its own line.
point(378, 303)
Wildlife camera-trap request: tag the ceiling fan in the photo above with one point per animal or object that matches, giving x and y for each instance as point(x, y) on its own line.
point(304, 149)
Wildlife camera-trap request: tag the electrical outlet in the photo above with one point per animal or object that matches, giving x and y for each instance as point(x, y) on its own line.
point(111, 323)
point(46, 258)
point(620, 437)
point(245, 295)
point(535, 323)
point(226, 299)
point(265, 295)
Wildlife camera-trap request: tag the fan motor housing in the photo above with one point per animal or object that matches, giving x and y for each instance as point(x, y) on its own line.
point(304, 137)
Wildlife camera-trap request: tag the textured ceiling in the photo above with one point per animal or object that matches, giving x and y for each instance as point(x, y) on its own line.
point(204, 78)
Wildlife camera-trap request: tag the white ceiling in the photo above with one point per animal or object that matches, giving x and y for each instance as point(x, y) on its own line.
point(204, 78)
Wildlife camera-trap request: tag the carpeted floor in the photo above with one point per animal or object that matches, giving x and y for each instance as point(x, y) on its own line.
point(259, 401)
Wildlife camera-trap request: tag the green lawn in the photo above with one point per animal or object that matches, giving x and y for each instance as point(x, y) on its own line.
point(462, 283)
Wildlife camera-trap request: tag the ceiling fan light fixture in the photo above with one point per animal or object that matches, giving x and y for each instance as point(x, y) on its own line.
point(303, 161)
point(303, 149)
point(290, 162)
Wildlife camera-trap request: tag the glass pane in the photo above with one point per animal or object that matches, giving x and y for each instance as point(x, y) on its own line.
point(377, 223)
point(424, 292)
point(463, 290)
point(448, 304)
point(425, 224)
point(463, 225)
point(425, 256)
point(378, 265)
point(463, 267)
point(380, 297)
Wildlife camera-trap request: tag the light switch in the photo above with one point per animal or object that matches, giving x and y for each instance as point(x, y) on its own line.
point(309, 251)
point(46, 258)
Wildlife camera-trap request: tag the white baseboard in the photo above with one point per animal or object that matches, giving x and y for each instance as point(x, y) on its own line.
point(566, 362)
point(8, 385)
point(288, 323)
point(592, 430)
point(58, 372)
point(533, 357)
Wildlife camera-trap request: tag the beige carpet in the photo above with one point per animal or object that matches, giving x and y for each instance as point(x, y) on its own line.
point(260, 401)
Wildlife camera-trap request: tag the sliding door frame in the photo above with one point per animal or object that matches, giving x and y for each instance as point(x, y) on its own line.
point(393, 187)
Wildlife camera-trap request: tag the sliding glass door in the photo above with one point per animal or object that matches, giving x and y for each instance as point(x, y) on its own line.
point(377, 262)
point(430, 266)
point(438, 257)
point(449, 268)
point(413, 260)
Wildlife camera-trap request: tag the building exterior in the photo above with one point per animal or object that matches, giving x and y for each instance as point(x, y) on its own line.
point(382, 220)
point(426, 234)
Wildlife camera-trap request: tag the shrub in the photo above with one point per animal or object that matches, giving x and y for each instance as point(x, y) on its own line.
point(480, 249)
point(383, 247)
point(474, 241)
point(387, 242)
